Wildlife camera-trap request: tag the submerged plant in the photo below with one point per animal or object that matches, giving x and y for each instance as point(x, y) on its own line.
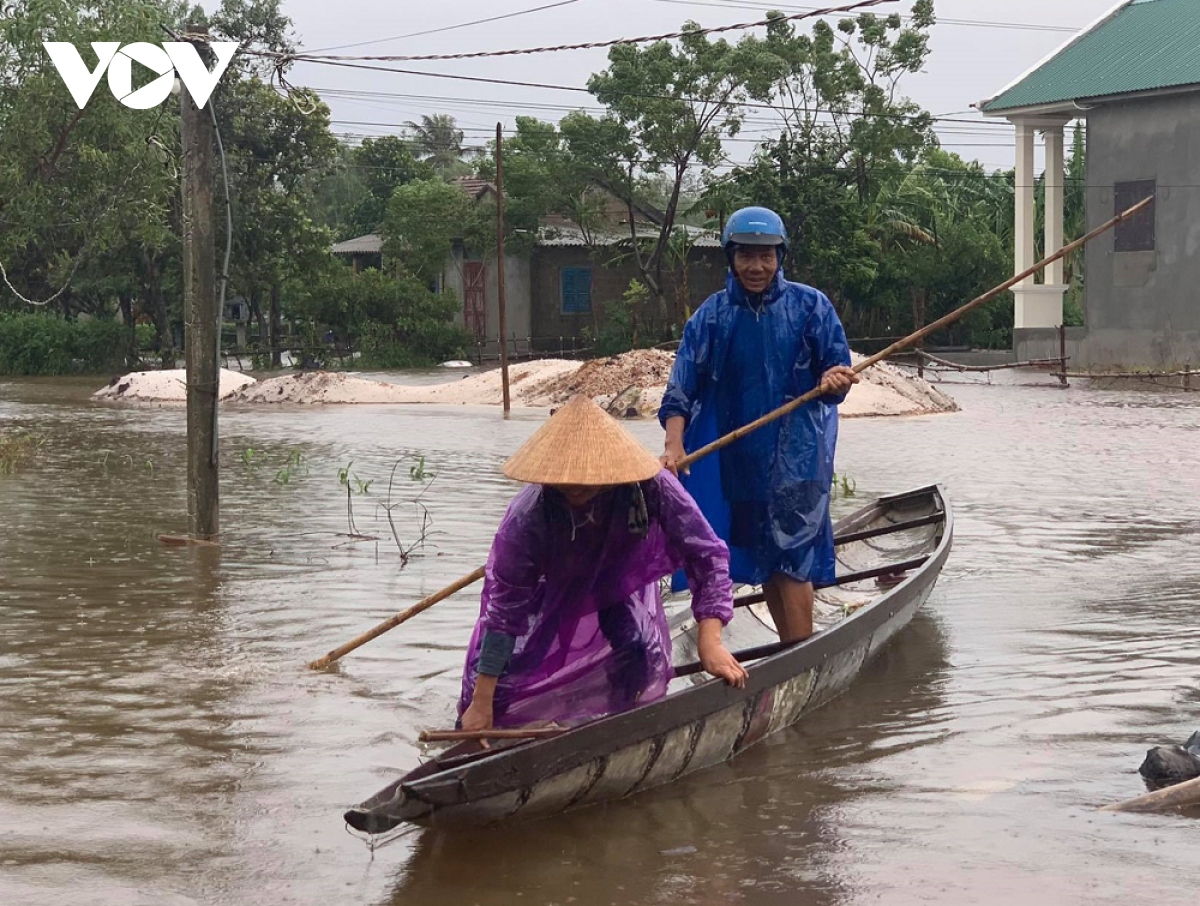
point(296, 465)
point(17, 449)
point(844, 485)
point(418, 473)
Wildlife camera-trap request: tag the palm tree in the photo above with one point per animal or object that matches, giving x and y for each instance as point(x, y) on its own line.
point(438, 140)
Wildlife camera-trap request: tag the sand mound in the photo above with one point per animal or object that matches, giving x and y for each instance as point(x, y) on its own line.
point(165, 386)
point(319, 387)
point(888, 390)
point(629, 385)
point(336, 387)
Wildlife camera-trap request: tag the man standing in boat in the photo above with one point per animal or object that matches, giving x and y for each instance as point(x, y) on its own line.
point(571, 624)
point(746, 351)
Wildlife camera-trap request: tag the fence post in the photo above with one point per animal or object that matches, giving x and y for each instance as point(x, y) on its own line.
point(1062, 354)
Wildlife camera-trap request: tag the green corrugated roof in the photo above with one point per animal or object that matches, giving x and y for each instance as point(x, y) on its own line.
point(1145, 45)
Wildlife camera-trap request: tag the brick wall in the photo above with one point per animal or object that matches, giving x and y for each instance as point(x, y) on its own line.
point(706, 275)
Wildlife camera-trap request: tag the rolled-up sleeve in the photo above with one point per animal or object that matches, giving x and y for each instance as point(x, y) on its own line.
point(513, 574)
point(693, 543)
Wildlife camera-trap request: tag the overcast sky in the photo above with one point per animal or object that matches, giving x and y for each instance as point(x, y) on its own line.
point(977, 48)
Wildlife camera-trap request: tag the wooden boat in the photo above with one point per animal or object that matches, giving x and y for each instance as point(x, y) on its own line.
point(890, 554)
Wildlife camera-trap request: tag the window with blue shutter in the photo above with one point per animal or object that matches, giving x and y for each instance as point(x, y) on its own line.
point(576, 290)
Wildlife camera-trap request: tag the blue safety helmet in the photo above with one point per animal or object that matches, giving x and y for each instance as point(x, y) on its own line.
point(754, 226)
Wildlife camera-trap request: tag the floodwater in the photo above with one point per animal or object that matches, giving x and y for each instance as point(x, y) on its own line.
point(164, 744)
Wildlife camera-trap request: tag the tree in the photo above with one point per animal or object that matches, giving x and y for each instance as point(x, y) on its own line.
point(423, 220)
point(272, 144)
point(438, 141)
point(76, 185)
point(669, 107)
point(846, 136)
point(382, 165)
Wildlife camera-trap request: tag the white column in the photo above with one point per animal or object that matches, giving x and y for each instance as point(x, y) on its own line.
point(1024, 207)
point(1038, 305)
point(1054, 202)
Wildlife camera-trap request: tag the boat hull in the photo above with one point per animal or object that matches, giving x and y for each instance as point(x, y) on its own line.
point(689, 731)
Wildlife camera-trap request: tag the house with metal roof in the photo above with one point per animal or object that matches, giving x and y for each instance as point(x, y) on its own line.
point(1134, 77)
point(558, 290)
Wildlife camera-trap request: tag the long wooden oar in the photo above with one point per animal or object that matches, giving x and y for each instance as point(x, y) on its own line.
point(779, 413)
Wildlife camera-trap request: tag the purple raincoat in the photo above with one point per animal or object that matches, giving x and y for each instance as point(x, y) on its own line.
point(578, 589)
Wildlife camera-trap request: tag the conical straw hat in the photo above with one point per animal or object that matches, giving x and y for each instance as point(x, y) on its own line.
point(581, 444)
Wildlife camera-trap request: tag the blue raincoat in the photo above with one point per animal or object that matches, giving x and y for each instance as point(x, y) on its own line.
point(767, 495)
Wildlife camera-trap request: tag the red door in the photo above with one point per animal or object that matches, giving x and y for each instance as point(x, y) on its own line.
point(474, 307)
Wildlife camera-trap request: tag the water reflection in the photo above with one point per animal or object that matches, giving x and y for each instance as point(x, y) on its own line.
point(757, 828)
point(165, 743)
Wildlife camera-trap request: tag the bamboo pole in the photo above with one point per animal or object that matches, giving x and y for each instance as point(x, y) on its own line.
point(911, 339)
point(394, 621)
point(1177, 796)
point(464, 735)
point(733, 436)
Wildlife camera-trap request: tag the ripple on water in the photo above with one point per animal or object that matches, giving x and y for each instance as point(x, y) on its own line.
point(169, 746)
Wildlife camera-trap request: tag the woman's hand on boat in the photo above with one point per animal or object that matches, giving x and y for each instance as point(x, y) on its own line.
point(716, 659)
point(838, 380)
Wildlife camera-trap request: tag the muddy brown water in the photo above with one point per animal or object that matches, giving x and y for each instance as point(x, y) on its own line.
point(163, 743)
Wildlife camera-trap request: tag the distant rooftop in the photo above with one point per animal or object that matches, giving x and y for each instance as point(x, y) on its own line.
point(560, 234)
point(571, 235)
point(1142, 45)
point(474, 186)
point(370, 244)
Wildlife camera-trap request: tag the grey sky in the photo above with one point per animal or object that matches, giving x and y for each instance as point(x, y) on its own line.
point(967, 64)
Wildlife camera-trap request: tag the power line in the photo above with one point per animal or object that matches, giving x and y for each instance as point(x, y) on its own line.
point(445, 28)
point(982, 126)
point(573, 88)
point(973, 23)
point(734, 139)
point(591, 45)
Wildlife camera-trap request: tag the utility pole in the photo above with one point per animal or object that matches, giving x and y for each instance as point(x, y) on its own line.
point(200, 313)
point(500, 267)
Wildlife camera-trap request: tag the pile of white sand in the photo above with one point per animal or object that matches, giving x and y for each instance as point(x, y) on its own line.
point(887, 390)
point(477, 389)
point(629, 385)
point(165, 386)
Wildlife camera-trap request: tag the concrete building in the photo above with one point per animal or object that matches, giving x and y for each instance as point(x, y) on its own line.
point(1134, 77)
point(560, 289)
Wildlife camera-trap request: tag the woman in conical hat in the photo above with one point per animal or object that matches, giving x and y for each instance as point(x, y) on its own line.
point(571, 623)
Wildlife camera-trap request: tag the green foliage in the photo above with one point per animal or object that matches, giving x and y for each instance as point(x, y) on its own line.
point(893, 229)
point(45, 344)
point(619, 332)
point(144, 336)
point(438, 142)
point(398, 323)
point(669, 108)
point(354, 195)
point(423, 220)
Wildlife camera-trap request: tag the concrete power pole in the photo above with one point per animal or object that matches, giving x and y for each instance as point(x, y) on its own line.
point(500, 307)
point(200, 315)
